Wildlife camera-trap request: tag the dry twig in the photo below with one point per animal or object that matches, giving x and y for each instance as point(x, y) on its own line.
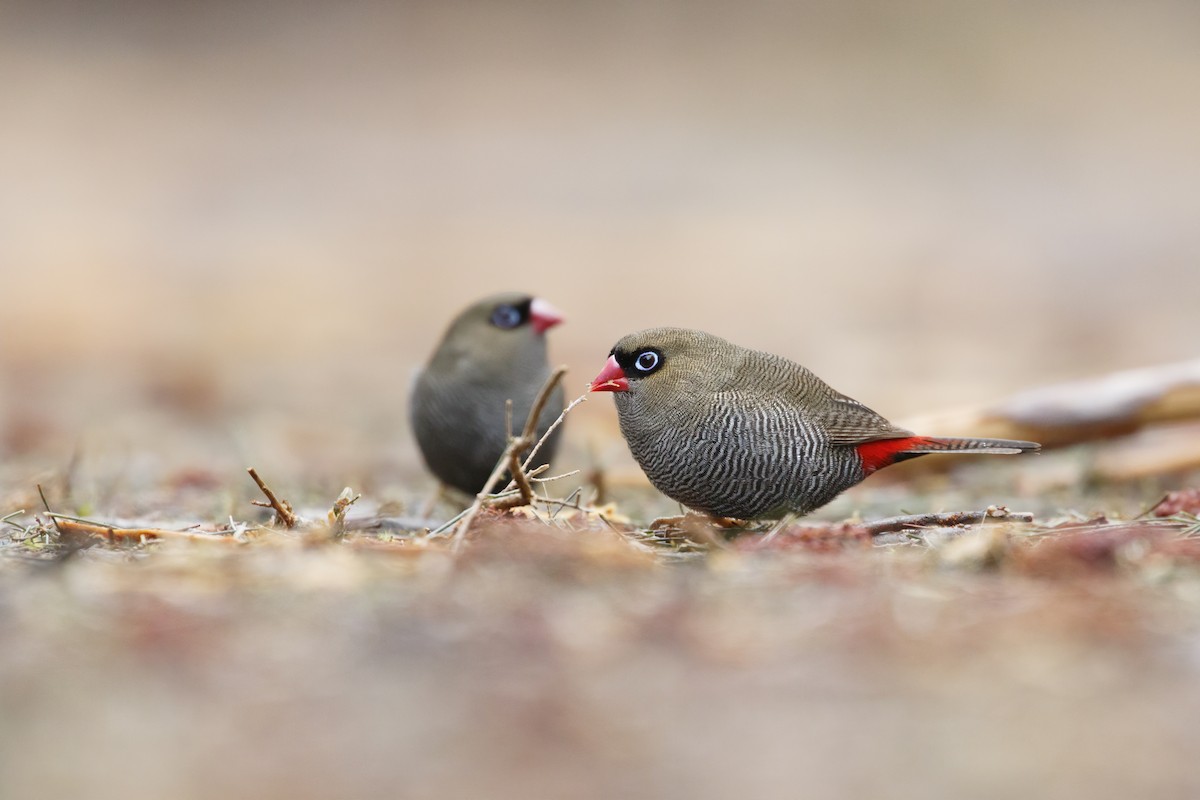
point(511, 457)
point(520, 478)
point(337, 514)
point(283, 510)
point(553, 426)
point(947, 520)
point(48, 511)
point(79, 529)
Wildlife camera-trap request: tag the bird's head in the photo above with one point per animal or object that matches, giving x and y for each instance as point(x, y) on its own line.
point(498, 329)
point(670, 364)
point(512, 312)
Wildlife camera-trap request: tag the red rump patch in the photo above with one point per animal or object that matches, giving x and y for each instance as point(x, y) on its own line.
point(881, 453)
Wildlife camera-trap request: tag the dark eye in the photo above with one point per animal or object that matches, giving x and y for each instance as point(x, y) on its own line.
point(647, 361)
point(506, 317)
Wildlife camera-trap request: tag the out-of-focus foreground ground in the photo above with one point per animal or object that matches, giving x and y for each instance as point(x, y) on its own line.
point(229, 233)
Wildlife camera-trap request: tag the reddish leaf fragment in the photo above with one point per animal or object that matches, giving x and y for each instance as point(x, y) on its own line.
point(1184, 501)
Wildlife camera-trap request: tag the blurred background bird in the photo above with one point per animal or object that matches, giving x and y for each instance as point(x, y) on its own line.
point(494, 351)
point(740, 433)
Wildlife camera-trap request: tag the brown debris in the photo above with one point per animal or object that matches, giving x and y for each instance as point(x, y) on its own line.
point(1097, 545)
point(337, 515)
point(816, 537)
point(510, 460)
point(713, 532)
point(283, 509)
point(947, 520)
point(81, 533)
point(985, 548)
point(1184, 501)
point(574, 548)
point(1082, 549)
point(46, 505)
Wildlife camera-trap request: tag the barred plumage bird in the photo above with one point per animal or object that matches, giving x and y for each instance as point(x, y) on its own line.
point(493, 351)
point(740, 433)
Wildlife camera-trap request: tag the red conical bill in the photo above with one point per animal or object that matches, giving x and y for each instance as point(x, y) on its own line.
point(611, 378)
point(543, 316)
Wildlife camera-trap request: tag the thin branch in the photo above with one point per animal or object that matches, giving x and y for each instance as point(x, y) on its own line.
point(282, 510)
point(532, 475)
point(519, 477)
point(74, 527)
point(554, 426)
point(540, 401)
point(947, 520)
point(511, 454)
point(545, 436)
point(448, 524)
point(48, 511)
point(569, 499)
point(575, 505)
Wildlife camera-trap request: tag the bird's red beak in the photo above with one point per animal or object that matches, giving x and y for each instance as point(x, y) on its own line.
point(543, 316)
point(611, 378)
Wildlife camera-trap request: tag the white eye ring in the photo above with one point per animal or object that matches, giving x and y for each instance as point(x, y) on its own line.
point(646, 361)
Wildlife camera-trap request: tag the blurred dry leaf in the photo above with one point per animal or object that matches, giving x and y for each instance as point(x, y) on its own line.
point(1079, 411)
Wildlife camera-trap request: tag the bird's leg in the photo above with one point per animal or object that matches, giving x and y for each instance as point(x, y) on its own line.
point(706, 530)
point(700, 528)
point(438, 494)
point(786, 520)
point(660, 523)
point(663, 523)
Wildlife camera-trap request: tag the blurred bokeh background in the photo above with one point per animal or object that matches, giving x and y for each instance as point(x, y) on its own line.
point(229, 232)
point(275, 207)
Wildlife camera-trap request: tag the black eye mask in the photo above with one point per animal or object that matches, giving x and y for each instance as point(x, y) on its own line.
point(640, 363)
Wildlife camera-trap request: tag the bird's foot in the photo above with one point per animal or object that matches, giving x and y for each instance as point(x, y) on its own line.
point(680, 520)
point(703, 529)
point(431, 504)
point(665, 523)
